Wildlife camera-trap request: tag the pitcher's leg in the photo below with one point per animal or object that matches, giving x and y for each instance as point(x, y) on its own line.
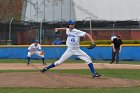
point(63, 58)
point(88, 60)
point(43, 62)
point(83, 56)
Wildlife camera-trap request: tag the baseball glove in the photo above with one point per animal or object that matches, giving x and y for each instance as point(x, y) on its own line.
point(42, 53)
point(91, 46)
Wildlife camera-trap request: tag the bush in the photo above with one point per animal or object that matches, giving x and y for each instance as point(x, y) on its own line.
point(131, 41)
point(107, 42)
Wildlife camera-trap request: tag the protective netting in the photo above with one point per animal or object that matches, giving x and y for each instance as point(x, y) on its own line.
point(25, 33)
point(16, 31)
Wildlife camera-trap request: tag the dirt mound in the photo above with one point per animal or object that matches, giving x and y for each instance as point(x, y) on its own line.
point(55, 80)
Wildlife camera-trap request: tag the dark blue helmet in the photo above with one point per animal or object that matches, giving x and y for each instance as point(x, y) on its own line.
point(36, 41)
point(71, 22)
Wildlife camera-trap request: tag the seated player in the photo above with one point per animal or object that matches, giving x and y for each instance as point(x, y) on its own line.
point(57, 41)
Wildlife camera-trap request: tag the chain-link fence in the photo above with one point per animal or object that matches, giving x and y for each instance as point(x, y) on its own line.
point(15, 31)
point(21, 33)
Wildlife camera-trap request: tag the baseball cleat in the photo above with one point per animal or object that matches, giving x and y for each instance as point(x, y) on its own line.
point(97, 75)
point(28, 64)
point(43, 70)
point(111, 62)
point(44, 63)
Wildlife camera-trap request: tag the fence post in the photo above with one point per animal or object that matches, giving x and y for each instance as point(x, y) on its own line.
point(10, 31)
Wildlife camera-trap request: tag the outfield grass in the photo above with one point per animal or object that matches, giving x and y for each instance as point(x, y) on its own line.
point(94, 90)
point(68, 61)
point(37, 61)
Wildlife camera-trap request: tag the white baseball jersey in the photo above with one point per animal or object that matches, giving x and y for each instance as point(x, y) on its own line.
point(73, 39)
point(73, 43)
point(33, 48)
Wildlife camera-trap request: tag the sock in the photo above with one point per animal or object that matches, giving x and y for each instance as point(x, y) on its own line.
point(43, 61)
point(50, 66)
point(91, 68)
point(28, 60)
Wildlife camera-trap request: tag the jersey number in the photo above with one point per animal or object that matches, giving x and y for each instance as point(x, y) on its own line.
point(72, 39)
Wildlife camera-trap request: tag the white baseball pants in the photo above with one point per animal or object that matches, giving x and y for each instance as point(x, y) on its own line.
point(36, 52)
point(73, 51)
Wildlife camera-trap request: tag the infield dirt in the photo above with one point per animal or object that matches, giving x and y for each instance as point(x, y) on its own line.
point(61, 80)
point(55, 80)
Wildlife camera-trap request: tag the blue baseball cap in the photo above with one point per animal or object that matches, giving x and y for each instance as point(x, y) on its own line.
point(71, 22)
point(36, 41)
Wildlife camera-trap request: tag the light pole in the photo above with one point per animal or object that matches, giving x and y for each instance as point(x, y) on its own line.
point(114, 28)
point(40, 31)
point(90, 27)
point(36, 6)
point(139, 23)
point(10, 31)
point(90, 24)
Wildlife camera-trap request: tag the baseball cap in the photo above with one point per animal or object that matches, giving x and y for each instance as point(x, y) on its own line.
point(118, 35)
point(71, 22)
point(36, 41)
point(113, 37)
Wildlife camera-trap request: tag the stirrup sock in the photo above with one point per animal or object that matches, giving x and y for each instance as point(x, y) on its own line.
point(91, 68)
point(51, 66)
point(43, 60)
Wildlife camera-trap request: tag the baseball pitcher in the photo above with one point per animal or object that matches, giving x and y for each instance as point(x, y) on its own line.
point(73, 47)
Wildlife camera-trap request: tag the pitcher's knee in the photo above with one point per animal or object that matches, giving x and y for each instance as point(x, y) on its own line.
point(57, 62)
point(88, 61)
point(42, 56)
point(28, 55)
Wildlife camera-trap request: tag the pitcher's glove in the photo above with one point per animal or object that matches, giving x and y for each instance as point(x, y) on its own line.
point(42, 52)
point(91, 46)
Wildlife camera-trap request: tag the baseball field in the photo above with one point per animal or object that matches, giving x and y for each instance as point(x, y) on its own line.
point(71, 77)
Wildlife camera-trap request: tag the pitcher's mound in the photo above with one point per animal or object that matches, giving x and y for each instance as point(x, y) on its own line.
point(55, 80)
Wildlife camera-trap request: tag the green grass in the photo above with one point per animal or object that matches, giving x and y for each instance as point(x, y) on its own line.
point(121, 62)
point(94, 90)
point(36, 61)
point(113, 73)
point(68, 61)
point(24, 61)
point(11, 71)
